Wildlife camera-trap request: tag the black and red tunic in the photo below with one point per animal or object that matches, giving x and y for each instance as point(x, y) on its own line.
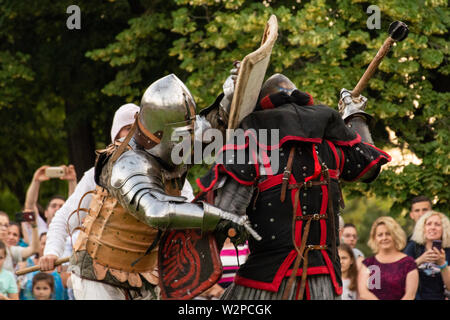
point(320, 137)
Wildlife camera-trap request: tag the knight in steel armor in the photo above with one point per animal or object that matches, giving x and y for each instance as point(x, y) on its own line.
point(138, 197)
point(293, 206)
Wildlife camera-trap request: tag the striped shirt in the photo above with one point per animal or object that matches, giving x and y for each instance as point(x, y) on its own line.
point(230, 262)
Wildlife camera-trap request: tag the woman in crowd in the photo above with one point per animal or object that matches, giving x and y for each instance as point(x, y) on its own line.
point(389, 274)
point(15, 254)
point(430, 247)
point(349, 272)
point(15, 235)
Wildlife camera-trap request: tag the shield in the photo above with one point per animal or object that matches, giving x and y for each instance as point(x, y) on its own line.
point(251, 75)
point(189, 263)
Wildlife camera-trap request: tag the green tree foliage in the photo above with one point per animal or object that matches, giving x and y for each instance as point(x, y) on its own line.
point(51, 106)
point(324, 46)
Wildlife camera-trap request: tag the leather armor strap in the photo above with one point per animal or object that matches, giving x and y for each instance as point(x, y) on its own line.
point(144, 135)
point(315, 216)
point(307, 184)
point(305, 268)
point(287, 174)
point(298, 259)
point(121, 149)
point(300, 250)
point(77, 211)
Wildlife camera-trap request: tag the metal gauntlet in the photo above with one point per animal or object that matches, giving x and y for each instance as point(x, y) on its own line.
point(175, 215)
point(353, 114)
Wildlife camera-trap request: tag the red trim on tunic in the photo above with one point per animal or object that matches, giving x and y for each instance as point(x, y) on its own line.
point(337, 288)
point(317, 166)
point(369, 166)
point(389, 158)
point(216, 173)
point(274, 285)
point(350, 143)
point(266, 103)
point(336, 157)
point(278, 179)
point(266, 163)
point(310, 101)
point(271, 182)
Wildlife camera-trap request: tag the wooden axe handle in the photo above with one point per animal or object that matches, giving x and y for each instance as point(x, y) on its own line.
point(372, 67)
point(37, 268)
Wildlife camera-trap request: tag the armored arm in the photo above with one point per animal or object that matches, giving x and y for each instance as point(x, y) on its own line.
point(235, 197)
point(136, 182)
point(352, 111)
point(354, 116)
point(217, 114)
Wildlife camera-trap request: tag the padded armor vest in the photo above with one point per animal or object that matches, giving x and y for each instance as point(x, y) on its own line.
point(114, 239)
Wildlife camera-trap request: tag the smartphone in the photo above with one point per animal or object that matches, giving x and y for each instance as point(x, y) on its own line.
point(27, 216)
point(54, 172)
point(437, 244)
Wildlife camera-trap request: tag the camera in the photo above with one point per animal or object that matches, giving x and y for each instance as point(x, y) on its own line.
point(54, 172)
point(27, 216)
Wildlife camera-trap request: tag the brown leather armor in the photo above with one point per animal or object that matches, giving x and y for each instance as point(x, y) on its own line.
point(114, 239)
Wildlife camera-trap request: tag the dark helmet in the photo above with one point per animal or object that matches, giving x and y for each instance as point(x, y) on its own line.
point(276, 83)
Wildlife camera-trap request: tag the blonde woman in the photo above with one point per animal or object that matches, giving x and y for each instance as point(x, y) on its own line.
point(389, 274)
point(430, 247)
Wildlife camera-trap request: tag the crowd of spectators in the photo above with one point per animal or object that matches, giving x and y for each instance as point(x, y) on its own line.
point(401, 267)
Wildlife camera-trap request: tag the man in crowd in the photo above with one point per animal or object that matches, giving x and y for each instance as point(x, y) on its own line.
point(419, 205)
point(350, 237)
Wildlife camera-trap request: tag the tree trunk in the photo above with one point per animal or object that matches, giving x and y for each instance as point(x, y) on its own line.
point(80, 139)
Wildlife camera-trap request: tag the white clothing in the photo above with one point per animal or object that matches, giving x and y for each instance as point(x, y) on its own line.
point(346, 293)
point(13, 256)
point(123, 117)
point(42, 227)
point(84, 289)
point(357, 253)
point(58, 230)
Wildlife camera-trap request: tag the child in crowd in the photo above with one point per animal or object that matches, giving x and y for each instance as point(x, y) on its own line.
point(26, 281)
point(43, 286)
point(8, 286)
point(349, 272)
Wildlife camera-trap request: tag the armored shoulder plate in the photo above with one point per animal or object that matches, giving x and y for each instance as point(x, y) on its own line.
point(135, 163)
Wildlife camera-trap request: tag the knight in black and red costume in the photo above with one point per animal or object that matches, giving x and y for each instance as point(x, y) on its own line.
point(293, 205)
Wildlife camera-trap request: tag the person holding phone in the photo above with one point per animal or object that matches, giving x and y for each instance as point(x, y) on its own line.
point(45, 173)
point(430, 247)
point(15, 254)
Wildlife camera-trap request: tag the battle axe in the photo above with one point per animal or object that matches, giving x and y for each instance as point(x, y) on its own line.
point(398, 31)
